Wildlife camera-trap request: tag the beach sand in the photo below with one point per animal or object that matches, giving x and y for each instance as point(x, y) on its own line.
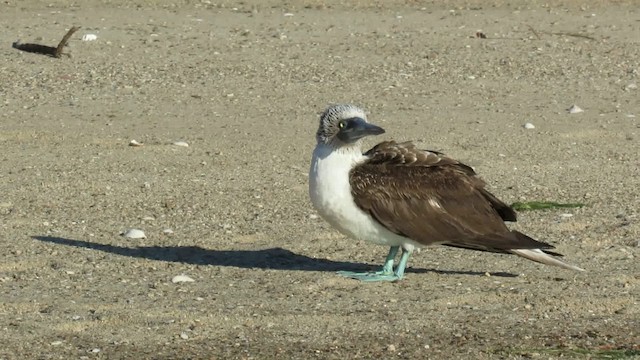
point(243, 84)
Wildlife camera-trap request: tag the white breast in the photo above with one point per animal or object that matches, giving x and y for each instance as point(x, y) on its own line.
point(330, 194)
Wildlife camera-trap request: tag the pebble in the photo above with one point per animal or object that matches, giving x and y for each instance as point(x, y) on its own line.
point(89, 37)
point(181, 279)
point(391, 348)
point(167, 232)
point(184, 335)
point(56, 343)
point(529, 126)
point(574, 109)
point(134, 234)
point(180, 143)
point(135, 143)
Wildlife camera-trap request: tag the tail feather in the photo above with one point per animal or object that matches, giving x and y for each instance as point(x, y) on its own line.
point(542, 257)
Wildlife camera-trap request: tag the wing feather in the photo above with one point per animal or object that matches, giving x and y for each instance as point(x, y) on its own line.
point(433, 199)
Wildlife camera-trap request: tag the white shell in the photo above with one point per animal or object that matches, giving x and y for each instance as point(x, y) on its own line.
point(181, 279)
point(134, 234)
point(574, 109)
point(167, 232)
point(135, 143)
point(89, 37)
point(180, 143)
point(529, 126)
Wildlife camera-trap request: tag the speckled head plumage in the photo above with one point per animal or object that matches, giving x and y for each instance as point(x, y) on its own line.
point(344, 124)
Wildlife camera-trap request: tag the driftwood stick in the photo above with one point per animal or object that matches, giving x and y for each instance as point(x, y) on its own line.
point(55, 52)
point(64, 41)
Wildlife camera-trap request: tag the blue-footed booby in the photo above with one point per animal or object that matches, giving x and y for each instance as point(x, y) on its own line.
point(399, 196)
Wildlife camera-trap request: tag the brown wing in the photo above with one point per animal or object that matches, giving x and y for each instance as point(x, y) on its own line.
point(433, 199)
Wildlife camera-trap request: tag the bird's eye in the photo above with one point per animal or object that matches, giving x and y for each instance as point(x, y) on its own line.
point(341, 124)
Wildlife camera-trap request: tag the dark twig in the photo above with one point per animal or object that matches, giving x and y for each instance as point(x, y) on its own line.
point(65, 41)
point(574, 35)
point(560, 34)
point(55, 52)
point(534, 32)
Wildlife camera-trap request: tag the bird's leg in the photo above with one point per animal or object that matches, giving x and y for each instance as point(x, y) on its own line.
point(387, 273)
point(387, 269)
point(402, 264)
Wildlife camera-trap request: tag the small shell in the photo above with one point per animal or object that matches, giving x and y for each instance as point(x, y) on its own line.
point(180, 143)
point(167, 232)
point(529, 126)
point(288, 14)
point(89, 37)
point(134, 234)
point(574, 109)
point(135, 143)
point(181, 279)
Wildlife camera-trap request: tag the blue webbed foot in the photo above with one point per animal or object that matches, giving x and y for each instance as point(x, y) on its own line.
point(387, 273)
point(370, 276)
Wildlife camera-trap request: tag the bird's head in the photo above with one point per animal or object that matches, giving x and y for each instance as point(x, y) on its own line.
point(344, 125)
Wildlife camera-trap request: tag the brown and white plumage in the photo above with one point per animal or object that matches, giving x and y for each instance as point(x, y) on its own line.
point(398, 195)
point(433, 199)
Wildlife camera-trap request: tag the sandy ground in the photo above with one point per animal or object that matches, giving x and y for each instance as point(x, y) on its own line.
point(243, 83)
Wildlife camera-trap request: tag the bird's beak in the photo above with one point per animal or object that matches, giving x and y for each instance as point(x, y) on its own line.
point(357, 128)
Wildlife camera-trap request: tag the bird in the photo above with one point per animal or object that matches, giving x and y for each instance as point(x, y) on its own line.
point(400, 196)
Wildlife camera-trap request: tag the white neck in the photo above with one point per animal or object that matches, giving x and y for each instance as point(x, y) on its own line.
point(329, 178)
point(331, 166)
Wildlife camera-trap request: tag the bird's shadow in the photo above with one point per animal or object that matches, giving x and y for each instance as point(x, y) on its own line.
point(272, 258)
